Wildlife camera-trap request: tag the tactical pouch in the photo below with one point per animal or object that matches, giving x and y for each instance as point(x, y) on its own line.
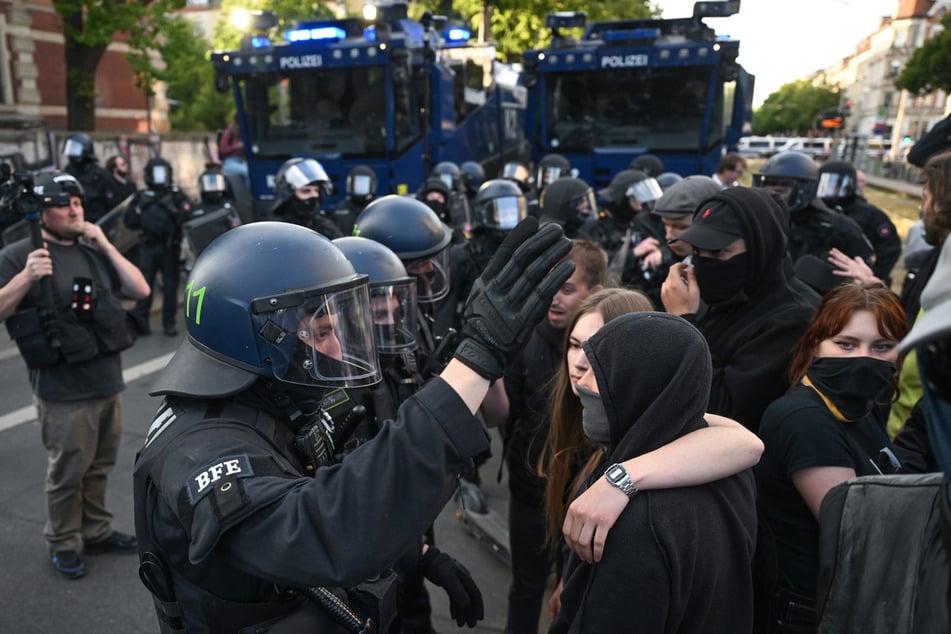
point(30, 332)
point(110, 324)
point(377, 600)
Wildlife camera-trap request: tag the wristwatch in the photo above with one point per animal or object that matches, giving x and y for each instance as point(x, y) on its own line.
point(617, 475)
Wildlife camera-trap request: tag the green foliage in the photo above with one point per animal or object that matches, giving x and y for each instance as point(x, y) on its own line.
point(794, 107)
point(194, 104)
point(288, 11)
point(929, 68)
point(518, 25)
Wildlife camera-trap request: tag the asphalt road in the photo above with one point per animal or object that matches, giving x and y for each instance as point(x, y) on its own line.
point(110, 598)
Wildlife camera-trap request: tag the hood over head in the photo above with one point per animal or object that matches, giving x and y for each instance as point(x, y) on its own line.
point(654, 373)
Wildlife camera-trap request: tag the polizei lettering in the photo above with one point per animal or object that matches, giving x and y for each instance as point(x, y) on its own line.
point(623, 61)
point(302, 61)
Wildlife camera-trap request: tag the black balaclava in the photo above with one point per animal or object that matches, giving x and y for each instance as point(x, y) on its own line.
point(855, 385)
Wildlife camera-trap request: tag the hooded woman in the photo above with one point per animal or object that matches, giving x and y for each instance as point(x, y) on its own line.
point(677, 559)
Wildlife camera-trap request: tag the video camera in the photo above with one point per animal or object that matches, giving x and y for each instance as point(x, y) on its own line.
point(17, 199)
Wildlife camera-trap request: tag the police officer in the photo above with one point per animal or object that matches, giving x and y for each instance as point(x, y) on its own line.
point(550, 168)
point(393, 309)
point(301, 186)
point(244, 524)
point(569, 202)
point(361, 191)
point(422, 241)
point(214, 214)
point(457, 204)
point(473, 175)
point(814, 229)
point(838, 188)
point(81, 164)
point(649, 164)
point(159, 211)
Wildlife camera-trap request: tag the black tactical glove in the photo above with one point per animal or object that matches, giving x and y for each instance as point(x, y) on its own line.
point(512, 296)
point(465, 600)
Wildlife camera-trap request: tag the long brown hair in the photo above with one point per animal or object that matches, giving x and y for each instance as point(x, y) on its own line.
point(835, 311)
point(567, 446)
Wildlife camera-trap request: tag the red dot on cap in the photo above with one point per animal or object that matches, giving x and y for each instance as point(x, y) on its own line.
point(706, 212)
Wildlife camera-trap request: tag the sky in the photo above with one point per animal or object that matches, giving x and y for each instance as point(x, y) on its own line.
point(785, 40)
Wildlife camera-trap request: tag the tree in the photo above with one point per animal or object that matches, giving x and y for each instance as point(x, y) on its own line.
point(194, 103)
point(518, 25)
point(794, 107)
point(88, 29)
point(929, 68)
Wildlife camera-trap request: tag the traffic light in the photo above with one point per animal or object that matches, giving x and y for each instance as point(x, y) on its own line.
point(847, 109)
point(831, 121)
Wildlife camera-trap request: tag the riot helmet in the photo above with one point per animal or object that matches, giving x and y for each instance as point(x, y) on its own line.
point(158, 174)
point(214, 188)
point(499, 205)
point(361, 184)
point(79, 149)
point(634, 184)
point(666, 179)
point(473, 175)
point(568, 202)
point(301, 172)
point(837, 183)
point(297, 313)
point(416, 234)
point(792, 175)
point(54, 189)
point(551, 168)
point(392, 292)
point(450, 174)
point(518, 174)
point(649, 164)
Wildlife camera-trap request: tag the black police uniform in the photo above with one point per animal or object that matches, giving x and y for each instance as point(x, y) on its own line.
point(298, 212)
point(815, 229)
point(880, 231)
point(160, 214)
point(96, 182)
point(220, 491)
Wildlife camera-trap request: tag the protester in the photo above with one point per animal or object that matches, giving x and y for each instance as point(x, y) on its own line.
point(680, 558)
point(827, 429)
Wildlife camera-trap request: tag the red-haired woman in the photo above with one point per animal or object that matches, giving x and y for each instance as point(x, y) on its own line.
point(829, 428)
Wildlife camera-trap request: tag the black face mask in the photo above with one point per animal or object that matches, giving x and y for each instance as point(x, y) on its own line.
point(855, 385)
point(722, 281)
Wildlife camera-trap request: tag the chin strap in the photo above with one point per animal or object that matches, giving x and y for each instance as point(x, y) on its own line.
point(58, 236)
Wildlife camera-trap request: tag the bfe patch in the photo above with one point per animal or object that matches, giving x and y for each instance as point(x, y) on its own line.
point(228, 468)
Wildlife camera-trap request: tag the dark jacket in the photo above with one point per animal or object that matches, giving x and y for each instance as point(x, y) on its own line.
point(815, 229)
point(677, 560)
point(880, 231)
point(95, 181)
point(226, 502)
point(528, 383)
point(751, 340)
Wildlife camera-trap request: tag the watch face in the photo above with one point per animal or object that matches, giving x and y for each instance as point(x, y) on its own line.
point(615, 473)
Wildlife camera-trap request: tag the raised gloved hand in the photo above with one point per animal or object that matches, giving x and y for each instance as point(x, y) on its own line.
point(512, 295)
point(465, 600)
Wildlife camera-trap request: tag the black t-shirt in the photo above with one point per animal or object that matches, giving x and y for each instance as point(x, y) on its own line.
point(99, 377)
point(799, 433)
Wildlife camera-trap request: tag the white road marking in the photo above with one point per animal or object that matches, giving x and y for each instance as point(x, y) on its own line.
point(28, 413)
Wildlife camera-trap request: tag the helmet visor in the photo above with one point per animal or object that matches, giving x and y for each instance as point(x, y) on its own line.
point(209, 182)
point(360, 185)
point(306, 172)
point(73, 149)
point(645, 191)
point(832, 185)
point(779, 184)
point(393, 309)
point(547, 176)
point(446, 178)
point(586, 206)
point(515, 172)
point(505, 212)
point(432, 276)
point(320, 337)
point(159, 175)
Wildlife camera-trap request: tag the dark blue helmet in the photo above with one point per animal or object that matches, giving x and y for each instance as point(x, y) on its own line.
point(274, 300)
point(79, 148)
point(792, 175)
point(392, 292)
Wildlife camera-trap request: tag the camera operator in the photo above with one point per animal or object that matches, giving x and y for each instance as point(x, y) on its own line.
point(159, 211)
point(233, 513)
point(71, 345)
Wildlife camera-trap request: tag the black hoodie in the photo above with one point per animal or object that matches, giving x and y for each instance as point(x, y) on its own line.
point(677, 560)
point(751, 340)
